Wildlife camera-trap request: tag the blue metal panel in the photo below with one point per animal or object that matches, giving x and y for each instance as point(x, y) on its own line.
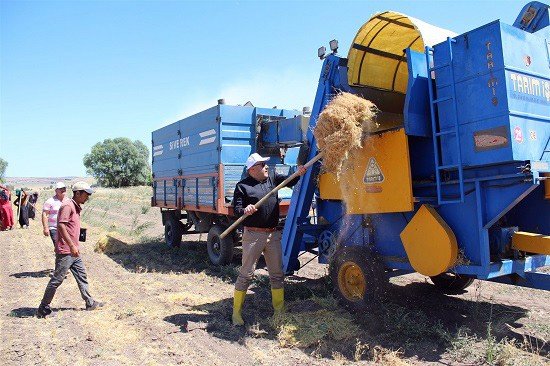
point(387, 228)
point(421, 154)
point(165, 192)
point(200, 142)
point(200, 192)
point(502, 80)
point(417, 105)
point(165, 160)
point(232, 175)
point(532, 214)
point(238, 129)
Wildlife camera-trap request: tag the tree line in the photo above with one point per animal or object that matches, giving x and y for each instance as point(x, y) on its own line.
point(118, 162)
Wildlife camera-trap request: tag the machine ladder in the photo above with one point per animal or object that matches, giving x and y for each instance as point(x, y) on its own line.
point(437, 134)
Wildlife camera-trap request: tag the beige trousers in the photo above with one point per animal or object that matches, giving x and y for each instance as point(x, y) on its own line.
point(254, 244)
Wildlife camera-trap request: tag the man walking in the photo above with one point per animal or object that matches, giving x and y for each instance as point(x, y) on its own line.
point(50, 210)
point(260, 233)
point(67, 250)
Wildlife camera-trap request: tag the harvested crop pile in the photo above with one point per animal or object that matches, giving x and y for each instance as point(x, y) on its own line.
point(340, 128)
point(108, 244)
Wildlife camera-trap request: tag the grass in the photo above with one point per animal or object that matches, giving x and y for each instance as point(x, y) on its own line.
point(308, 328)
point(126, 210)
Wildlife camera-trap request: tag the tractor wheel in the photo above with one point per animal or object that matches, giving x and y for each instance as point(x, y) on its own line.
point(358, 277)
point(173, 232)
point(220, 251)
point(450, 283)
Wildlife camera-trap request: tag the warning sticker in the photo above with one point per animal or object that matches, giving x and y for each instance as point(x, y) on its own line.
point(373, 174)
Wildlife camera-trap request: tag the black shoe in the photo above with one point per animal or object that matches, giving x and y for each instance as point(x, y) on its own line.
point(94, 306)
point(43, 311)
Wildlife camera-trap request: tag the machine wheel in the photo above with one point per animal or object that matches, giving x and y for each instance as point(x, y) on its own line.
point(358, 277)
point(220, 251)
point(173, 232)
point(451, 283)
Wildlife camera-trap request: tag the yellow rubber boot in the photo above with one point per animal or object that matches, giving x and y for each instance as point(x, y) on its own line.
point(278, 300)
point(238, 301)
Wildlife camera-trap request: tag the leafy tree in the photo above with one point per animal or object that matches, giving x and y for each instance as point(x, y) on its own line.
point(119, 162)
point(3, 166)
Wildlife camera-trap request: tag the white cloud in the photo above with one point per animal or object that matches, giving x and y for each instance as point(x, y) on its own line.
point(287, 89)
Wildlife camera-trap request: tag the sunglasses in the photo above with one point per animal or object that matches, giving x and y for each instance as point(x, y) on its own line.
point(262, 164)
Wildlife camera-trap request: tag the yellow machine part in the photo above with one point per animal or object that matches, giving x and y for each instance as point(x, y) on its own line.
point(429, 242)
point(531, 243)
point(377, 55)
point(380, 180)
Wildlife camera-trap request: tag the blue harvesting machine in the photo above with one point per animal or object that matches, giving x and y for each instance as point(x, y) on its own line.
point(455, 182)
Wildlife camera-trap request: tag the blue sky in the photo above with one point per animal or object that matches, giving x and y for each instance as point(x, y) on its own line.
point(74, 73)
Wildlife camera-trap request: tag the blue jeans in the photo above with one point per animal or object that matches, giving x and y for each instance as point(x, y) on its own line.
point(63, 264)
point(53, 235)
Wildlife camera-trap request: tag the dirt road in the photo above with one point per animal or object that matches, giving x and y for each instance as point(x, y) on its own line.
point(170, 307)
point(150, 318)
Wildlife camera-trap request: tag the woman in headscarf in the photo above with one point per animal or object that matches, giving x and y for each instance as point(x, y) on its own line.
point(23, 202)
point(6, 211)
point(32, 205)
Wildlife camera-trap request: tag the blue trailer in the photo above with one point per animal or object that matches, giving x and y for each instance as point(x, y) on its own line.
point(455, 183)
point(198, 160)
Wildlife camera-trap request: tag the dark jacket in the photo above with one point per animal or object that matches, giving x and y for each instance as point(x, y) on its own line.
point(249, 191)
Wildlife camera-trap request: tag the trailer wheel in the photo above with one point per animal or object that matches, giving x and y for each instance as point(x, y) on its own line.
point(173, 232)
point(220, 251)
point(358, 277)
point(451, 283)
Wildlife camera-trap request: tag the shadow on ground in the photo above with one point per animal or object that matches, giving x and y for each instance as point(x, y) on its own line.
point(36, 274)
point(31, 312)
point(156, 256)
point(414, 318)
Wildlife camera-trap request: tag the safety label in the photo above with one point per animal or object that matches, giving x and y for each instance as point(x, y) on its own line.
point(373, 174)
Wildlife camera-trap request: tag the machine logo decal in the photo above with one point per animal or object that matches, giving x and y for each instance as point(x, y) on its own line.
point(490, 139)
point(158, 150)
point(493, 82)
point(373, 174)
point(176, 144)
point(518, 134)
point(530, 88)
point(533, 135)
point(207, 137)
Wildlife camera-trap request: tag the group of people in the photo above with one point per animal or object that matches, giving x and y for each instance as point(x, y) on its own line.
point(61, 222)
point(26, 204)
point(6, 211)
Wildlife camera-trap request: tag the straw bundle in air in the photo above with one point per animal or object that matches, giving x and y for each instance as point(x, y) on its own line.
point(340, 128)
